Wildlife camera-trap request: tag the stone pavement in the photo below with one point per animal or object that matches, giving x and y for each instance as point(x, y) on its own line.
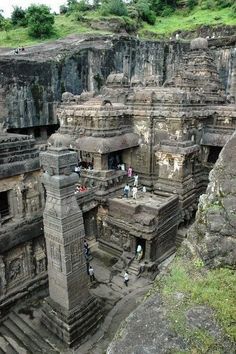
point(119, 300)
point(22, 331)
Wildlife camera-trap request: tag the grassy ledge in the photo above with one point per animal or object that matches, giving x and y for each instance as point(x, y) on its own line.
point(163, 28)
point(189, 284)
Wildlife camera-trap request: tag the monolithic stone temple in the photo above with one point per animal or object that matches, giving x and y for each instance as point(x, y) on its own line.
point(168, 125)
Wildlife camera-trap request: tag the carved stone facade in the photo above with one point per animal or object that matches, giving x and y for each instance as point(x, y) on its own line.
point(169, 126)
point(23, 265)
point(170, 134)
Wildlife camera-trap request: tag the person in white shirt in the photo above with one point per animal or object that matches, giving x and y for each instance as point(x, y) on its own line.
point(126, 278)
point(135, 191)
point(91, 274)
point(139, 253)
point(136, 180)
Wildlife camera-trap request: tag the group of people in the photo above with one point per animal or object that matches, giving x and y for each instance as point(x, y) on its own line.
point(79, 189)
point(127, 188)
point(139, 256)
point(135, 187)
point(90, 270)
point(18, 50)
point(87, 254)
point(83, 164)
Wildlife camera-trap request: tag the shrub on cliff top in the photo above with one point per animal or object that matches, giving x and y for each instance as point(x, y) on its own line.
point(40, 21)
point(18, 16)
point(113, 7)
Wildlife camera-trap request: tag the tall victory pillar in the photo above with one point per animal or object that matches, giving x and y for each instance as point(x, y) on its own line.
point(70, 311)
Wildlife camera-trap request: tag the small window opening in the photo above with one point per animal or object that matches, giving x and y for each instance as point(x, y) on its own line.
point(214, 152)
point(4, 205)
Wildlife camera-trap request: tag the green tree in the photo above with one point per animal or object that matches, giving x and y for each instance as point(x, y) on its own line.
point(72, 5)
point(40, 21)
point(1, 16)
point(145, 11)
point(83, 6)
point(162, 6)
point(18, 16)
point(114, 7)
point(63, 9)
point(6, 25)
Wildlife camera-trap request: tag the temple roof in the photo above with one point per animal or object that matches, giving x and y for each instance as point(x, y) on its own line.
point(106, 145)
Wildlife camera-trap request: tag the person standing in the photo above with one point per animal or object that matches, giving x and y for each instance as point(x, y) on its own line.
point(91, 274)
point(77, 170)
point(126, 191)
point(135, 191)
point(139, 253)
point(86, 247)
point(136, 180)
point(130, 171)
point(126, 278)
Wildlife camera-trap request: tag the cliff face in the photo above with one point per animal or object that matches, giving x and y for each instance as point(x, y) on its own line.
point(32, 82)
point(214, 231)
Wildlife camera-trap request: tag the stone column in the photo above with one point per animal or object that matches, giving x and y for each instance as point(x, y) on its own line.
point(100, 162)
point(148, 251)
point(70, 312)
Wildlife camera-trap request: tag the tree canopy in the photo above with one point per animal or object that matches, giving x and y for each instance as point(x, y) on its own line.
point(40, 21)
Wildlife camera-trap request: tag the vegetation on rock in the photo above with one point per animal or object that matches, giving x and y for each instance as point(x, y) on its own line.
point(148, 18)
point(189, 286)
point(40, 21)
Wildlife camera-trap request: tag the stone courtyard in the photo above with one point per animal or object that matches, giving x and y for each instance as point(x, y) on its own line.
point(117, 301)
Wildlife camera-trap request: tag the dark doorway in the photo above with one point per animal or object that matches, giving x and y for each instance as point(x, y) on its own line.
point(214, 152)
point(4, 204)
point(142, 243)
point(114, 160)
point(90, 225)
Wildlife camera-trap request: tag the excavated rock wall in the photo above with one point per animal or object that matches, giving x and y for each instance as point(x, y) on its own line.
point(31, 83)
point(214, 231)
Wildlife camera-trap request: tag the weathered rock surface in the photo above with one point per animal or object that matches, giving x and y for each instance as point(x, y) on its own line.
point(149, 331)
point(214, 231)
point(32, 82)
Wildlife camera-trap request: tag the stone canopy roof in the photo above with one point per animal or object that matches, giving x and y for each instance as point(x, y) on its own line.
point(107, 145)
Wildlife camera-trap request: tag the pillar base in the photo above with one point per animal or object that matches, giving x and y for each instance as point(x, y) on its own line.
point(73, 326)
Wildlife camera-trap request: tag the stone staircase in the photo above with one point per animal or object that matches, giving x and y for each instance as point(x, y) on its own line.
point(181, 235)
point(17, 335)
point(134, 267)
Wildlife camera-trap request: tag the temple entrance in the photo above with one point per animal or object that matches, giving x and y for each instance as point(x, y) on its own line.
point(214, 152)
point(115, 160)
point(142, 243)
point(90, 225)
point(4, 205)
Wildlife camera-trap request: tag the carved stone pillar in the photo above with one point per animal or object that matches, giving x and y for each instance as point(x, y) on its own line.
point(148, 251)
point(70, 312)
point(100, 162)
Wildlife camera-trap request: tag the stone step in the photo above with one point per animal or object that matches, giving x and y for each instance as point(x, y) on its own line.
point(6, 347)
point(3, 345)
point(14, 345)
point(31, 332)
point(134, 271)
point(20, 337)
point(181, 235)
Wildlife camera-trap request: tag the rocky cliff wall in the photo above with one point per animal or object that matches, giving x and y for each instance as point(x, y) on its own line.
point(213, 234)
point(31, 83)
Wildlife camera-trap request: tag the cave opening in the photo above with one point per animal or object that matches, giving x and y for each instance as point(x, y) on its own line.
point(214, 152)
